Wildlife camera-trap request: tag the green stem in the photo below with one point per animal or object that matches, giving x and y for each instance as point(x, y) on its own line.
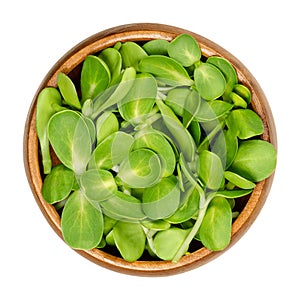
point(161, 95)
point(149, 235)
point(60, 204)
point(202, 210)
point(165, 89)
point(46, 157)
point(203, 203)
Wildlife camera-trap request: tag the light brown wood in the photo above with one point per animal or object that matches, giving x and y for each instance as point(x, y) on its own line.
point(144, 32)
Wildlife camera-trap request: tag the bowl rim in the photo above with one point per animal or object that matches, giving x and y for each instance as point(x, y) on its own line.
point(145, 32)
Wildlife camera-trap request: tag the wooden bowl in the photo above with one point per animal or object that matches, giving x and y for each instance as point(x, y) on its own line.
point(70, 64)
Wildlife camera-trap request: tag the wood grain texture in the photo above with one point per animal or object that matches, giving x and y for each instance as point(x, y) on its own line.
point(145, 32)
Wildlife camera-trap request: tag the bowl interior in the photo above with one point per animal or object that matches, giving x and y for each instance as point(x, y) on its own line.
point(71, 63)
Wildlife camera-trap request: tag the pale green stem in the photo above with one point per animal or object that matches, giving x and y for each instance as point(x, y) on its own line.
point(164, 89)
point(161, 95)
point(203, 203)
point(46, 157)
point(202, 210)
point(149, 235)
point(60, 204)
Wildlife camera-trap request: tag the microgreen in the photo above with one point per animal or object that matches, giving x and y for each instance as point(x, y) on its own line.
point(70, 138)
point(48, 103)
point(68, 90)
point(95, 77)
point(139, 101)
point(166, 69)
point(185, 50)
point(209, 81)
point(106, 124)
point(215, 230)
point(155, 145)
point(161, 200)
point(132, 54)
point(58, 184)
point(159, 47)
point(159, 144)
point(81, 222)
point(130, 240)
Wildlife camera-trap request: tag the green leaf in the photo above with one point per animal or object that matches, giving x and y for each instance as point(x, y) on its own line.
point(138, 103)
point(209, 81)
point(57, 184)
point(212, 110)
point(113, 60)
point(91, 126)
point(109, 223)
point(158, 143)
point(176, 99)
point(255, 160)
point(156, 225)
point(81, 222)
point(111, 151)
point(166, 69)
point(168, 242)
point(132, 54)
point(68, 90)
point(87, 108)
point(191, 108)
point(245, 123)
point(239, 180)
point(210, 170)
point(180, 134)
point(160, 127)
point(130, 240)
point(215, 230)
point(48, 99)
point(225, 145)
point(115, 93)
point(228, 71)
point(156, 46)
point(70, 138)
point(97, 185)
point(225, 67)
point(123, 207)
point(120, 147)
point(95, 77)
point(232, 194)
point(243, 92)
point(237, 100)
point(185, 49)
point(109, 239)
point(141, 169)
point(161, 200)
point(102, 244)
point(188, 208)
point(211, 129)
point(195, 131)
point(106, 124)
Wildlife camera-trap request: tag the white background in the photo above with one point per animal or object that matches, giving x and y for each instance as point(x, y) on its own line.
point(35, 263)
